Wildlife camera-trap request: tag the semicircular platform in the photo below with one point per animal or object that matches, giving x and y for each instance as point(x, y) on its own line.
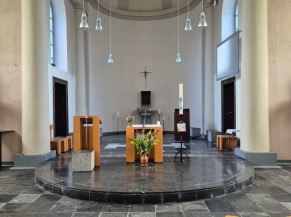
point(206, 174)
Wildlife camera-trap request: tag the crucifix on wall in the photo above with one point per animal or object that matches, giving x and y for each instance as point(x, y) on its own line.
point(145, 76)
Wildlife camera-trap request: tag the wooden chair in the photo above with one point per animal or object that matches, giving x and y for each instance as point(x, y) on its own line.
point(58, 144)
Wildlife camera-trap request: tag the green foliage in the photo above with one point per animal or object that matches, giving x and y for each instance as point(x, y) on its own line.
point(144, 142)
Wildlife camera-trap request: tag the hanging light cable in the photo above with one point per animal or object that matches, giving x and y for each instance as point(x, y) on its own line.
point(202, 22)
point(188, 26)
point(99, 26)
point(110, 57)
point(84, 24)
point(178, 56)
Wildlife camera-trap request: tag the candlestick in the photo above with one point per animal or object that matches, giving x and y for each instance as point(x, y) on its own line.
point(181, 99)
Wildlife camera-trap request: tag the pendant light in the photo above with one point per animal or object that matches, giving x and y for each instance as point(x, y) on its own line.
point(99, 26)
point(110, 57)
point(178, 56)
point(84, 24)
point(188, 26)
point(202, 22)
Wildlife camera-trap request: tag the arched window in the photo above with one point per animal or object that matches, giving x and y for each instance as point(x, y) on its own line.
point(236, 17)
point(52, 36)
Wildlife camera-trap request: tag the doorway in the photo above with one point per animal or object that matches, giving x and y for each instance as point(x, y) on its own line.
point(228, 109)
point(60, 97)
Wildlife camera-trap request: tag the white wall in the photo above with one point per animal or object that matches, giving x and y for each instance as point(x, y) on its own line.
point(65, 58)
point(137, 44)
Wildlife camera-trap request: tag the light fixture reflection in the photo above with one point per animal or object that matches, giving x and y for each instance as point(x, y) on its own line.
point(110, 58)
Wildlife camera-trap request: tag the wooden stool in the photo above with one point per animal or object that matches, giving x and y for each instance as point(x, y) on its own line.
point(58, 145)
point(68, 142)
point(226, 142)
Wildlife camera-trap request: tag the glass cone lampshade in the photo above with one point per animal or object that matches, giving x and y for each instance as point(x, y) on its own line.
point(202, 22)
point(110, 58)
point(188, 26)
point(84, 24)
point(178, 58)
point(99, 25)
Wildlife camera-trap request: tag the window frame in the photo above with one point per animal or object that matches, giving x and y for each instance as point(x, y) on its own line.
point(52, 44)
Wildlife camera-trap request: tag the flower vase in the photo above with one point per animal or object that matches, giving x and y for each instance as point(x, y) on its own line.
point(144, 160)
point(129, 124)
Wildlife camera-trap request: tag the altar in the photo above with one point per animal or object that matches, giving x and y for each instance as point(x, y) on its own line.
point(156, 153)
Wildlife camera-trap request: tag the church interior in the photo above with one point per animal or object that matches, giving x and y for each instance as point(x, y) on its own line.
point(145, 108)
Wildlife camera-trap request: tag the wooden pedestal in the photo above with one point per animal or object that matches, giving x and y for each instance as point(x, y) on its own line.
point(87, 135)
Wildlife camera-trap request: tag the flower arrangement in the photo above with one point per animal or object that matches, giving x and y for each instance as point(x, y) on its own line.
point(130, 119)
point(144, 142)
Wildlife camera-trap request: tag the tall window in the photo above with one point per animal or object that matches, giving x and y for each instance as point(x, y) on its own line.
point(236, 17)
point(52, 36)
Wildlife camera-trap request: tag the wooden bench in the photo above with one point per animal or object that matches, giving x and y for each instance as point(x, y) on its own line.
point(226, 142)
point(58, 144)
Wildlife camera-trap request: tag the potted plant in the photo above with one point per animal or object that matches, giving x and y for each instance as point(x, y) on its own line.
point(130, 120)
point(144, 142)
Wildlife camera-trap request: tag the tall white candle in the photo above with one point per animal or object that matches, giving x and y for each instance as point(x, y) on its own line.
point(180, 99)
point(159, 111)
point(118, 114)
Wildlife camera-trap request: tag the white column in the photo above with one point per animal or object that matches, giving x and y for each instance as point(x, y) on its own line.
point(80, 67)
point(35, 50)
point(254, 77)
point(208, 92)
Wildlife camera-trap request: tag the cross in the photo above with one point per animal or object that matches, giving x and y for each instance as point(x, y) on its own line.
point(145, 75)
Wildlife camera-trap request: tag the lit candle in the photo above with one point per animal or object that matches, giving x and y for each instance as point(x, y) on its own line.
point(118, 114)
point(180, 99)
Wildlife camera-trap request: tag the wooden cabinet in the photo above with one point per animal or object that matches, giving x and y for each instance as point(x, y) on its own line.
point(87, 135)
point(186, 119)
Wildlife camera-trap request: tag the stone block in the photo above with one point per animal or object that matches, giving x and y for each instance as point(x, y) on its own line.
point(211, 135)
point(83, 161)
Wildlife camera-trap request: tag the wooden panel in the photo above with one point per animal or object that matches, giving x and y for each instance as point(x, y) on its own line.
point(157, 152)
point(87, 137)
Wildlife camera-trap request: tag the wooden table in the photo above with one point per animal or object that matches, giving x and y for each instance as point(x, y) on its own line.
point(2, 132)
point(156, 153)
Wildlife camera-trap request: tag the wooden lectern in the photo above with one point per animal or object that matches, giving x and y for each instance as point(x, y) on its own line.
point(87, 135)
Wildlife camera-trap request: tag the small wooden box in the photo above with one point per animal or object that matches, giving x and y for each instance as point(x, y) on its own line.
point(226, 142)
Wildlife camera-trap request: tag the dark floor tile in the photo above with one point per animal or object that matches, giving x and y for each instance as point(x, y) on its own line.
point(4, 198)
point(142, 214)
point(48, 198)
point(242, 203)
point(142, 208)
point(168, 214)
point(14, 207)
point(117, 214)
point(222, 206)
point(115, 208)
point(38, 207)
point(86, 214)
point(90, 206)
point(197, 214)
point(222, 214)
point(254, 214)
point(171, 207)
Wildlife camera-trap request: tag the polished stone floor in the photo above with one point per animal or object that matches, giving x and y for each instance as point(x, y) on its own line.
point(268, 196)
point(207, 173)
